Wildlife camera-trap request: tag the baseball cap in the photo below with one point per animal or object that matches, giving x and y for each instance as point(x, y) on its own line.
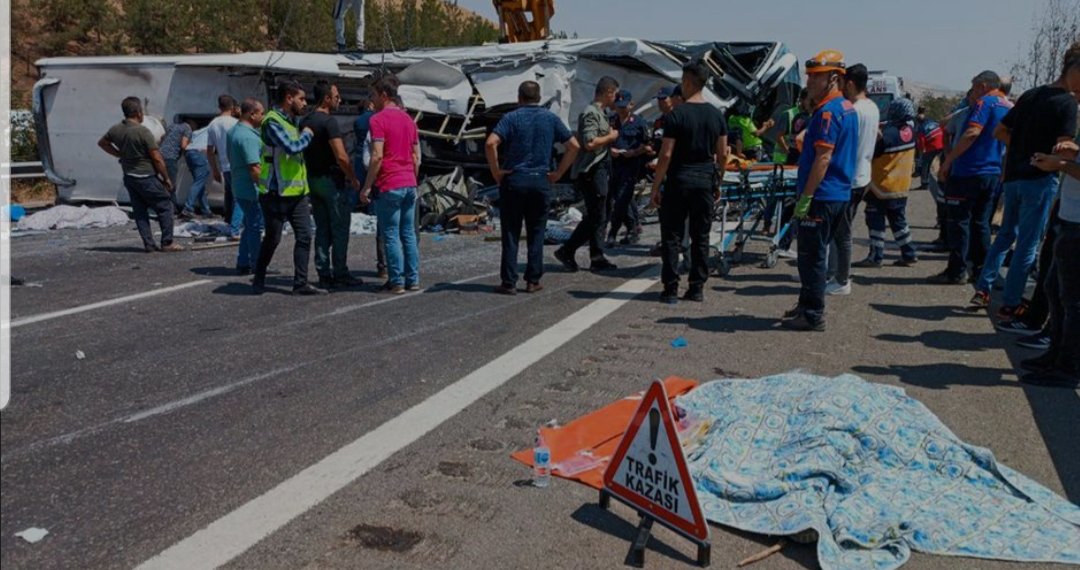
point(623, 98)
point(664, 92)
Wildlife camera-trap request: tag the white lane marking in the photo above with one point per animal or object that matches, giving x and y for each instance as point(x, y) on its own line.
point(225, 389)
point(102, 304)
point(234, 533)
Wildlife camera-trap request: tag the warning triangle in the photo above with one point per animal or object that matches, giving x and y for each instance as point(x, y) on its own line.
point(648, 469)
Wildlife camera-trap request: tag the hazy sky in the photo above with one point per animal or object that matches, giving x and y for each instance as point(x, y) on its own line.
point(941, 42)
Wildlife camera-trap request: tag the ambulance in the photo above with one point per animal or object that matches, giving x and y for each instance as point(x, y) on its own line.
point(883, 89)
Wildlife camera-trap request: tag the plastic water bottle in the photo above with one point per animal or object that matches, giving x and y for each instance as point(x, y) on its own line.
point(541, 462)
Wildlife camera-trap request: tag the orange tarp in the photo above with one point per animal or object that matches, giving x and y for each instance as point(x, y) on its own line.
point(598, 432)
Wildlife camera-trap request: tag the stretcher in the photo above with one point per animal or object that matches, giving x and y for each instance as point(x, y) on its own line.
point(748, 199)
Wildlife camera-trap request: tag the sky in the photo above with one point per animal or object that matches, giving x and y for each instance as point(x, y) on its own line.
point(939, 42)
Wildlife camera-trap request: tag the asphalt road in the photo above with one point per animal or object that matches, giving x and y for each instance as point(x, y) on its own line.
point(190, 404)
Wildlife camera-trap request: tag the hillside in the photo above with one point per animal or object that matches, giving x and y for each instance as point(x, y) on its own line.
point(51, 28)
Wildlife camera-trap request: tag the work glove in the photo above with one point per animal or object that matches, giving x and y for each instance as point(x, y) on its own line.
point(802, 207)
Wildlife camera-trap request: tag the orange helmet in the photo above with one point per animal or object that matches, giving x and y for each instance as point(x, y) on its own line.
point(828, 60)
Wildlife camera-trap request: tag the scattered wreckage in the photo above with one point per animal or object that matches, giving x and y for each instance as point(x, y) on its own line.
point(456, 95)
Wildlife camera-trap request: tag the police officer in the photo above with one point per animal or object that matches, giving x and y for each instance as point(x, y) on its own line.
point(628, 155)
point(826, 171)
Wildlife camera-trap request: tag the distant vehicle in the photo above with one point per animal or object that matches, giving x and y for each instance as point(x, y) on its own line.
point(883, 89)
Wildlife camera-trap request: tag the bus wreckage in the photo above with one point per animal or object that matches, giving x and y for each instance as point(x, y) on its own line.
point(455, 95)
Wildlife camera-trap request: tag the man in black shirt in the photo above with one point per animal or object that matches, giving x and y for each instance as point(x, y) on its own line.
point(692, 156)
point(1042, 118)
point(329, 169)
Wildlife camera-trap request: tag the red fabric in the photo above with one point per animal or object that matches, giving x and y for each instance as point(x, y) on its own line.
point(599, 432)
point(934, 141)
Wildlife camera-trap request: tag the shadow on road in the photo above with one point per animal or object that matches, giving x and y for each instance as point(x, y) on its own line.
point(948, 340)
point(942, 376)
point(612, 524)
point(724, 324)
point(116, 249)
point(923, 313)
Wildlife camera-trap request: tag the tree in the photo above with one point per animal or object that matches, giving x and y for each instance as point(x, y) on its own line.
point(938, 107)
point(1054, 27)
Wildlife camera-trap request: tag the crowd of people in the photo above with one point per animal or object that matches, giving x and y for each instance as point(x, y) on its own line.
point(282, 166)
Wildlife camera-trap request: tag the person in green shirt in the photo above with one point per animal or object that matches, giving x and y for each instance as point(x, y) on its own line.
point(746, 135)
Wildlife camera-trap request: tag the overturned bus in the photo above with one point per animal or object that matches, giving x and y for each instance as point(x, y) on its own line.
point(455, 95)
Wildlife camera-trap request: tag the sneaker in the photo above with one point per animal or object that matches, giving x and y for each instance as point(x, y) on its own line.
point(944, 278)
point(186, 215)
point(786, 254)
point(695, 294)
point(1052, 379)
point(867, 264)
point(980, 300)
point(348, 281)
point(505, 289)
point(801, 323)
point(1012, 313)
point(258, 286)
point(308, 289)
point(1037, 341)
point(834, 288)
point(151, 248)
point(383, 275)
point(173, 247)
point(902, 262)
point(602, 265)
point(1015, 326)
point(670, 294)
point(412, 287)
point(630, 239)
point(793, 312)
point(392, 289)
point(566, 259)
point(533, 288)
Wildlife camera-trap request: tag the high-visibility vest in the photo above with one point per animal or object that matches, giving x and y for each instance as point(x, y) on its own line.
point(288, 169)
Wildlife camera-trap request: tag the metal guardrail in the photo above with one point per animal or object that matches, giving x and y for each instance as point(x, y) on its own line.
point(27, 170)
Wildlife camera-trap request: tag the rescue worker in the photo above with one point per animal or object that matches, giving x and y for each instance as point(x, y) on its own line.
point(826, 171)
point(972, 170)
point(629, 153)
point(691, 159)
point(592, 175)
point(283, 187)
point(890, 180)
point(524, 175)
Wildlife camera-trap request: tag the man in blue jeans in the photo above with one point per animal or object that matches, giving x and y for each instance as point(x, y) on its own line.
point(1042, 118)
point(524, 176)
point(245, 152)
point(199, 166)
point(826, 172)
point(970, 172)
point(395, 163)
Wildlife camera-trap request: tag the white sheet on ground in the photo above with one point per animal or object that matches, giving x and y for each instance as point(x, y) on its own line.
point(73, 217)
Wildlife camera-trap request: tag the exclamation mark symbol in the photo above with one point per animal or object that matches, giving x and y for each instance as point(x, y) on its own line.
point(654, 430)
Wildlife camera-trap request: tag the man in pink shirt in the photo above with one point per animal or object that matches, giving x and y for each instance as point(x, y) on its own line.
point(395, 162)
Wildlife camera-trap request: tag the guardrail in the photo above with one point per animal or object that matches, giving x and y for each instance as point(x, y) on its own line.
point(27, 170)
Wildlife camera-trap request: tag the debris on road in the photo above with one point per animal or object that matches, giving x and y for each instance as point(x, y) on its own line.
point(197, 229)
point(73, 217)
point(362, 224)
point(680, 342)
point(80, 354)
point(32, 534)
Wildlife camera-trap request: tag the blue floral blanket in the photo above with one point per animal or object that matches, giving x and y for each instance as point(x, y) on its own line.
point(868, 468)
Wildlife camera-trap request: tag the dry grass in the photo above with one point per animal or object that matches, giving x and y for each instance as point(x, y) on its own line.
point(31, 191)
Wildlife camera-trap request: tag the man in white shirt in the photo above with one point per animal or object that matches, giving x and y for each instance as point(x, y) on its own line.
point(217, 151)
point(869, 116)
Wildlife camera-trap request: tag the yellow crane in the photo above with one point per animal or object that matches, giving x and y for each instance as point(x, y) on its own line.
point(524, 20)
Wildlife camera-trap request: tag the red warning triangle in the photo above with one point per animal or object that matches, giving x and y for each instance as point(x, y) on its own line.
point(648, 469)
